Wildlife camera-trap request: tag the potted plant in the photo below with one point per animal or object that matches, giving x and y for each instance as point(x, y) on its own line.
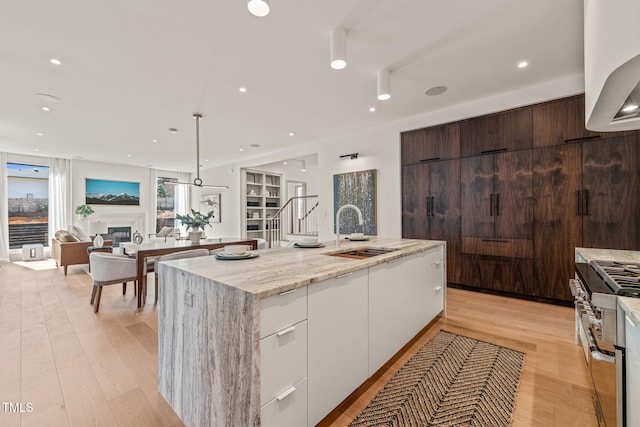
point(84, 211)
point(195, 221)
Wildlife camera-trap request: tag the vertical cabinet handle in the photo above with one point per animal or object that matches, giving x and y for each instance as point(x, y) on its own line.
point(491, 205)
point(578, 202)
point(433, 207)
point(497, 204)
point(428, 206)
point(586, 202)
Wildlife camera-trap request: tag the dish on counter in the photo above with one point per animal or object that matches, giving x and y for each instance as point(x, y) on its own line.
point(229, 257)
point(357, 238)
point(308, 245)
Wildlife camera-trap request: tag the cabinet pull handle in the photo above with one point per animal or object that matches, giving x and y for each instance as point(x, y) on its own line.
point(437, 263)
point(491, 205)
point(287, 292)
point(286, 393)
point(344, 275)
point(578, 203)
point(428, 206)
point(433, 208)
point(431, 159)
point(438, 289)
point(568, 141)
point(495, 240)
point(497, 150)
point(586, 202)
point(497, 204)
point(286, 331)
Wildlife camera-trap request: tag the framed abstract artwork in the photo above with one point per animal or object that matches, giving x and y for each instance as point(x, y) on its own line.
point(211, 203)
point(359, 189)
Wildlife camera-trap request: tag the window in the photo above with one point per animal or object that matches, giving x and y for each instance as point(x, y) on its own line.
point(28, 188)
point(166, 206)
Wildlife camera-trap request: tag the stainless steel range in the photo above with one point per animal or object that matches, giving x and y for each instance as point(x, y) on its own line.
point(600, 330)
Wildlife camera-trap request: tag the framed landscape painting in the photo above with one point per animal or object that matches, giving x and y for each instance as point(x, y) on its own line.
point(116, 193)
point(211, 203)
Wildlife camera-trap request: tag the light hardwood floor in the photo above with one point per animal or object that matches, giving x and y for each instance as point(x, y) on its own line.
point(80, 368)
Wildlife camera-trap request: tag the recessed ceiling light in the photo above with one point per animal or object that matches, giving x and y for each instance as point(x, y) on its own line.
point(36, 149)
point(172, 130)
point(154, 140)
point(47, 97)
point(284, 163)
point(258, 8)
point(291, 133)
point(39, 133)
point(128, 155)
point(46, 109)
point(523, 64)
point(243, 89)
point(242, 149)
point(206, 160)
point(630, 108)
point(55, 61)
point(372, 109)
point(435, 91)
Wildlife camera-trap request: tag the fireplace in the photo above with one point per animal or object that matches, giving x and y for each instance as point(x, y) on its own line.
point(119, 234)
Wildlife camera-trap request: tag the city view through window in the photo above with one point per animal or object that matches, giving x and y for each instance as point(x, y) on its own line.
point(28, 197)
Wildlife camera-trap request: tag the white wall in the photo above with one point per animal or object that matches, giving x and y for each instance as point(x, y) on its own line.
point(379, 149)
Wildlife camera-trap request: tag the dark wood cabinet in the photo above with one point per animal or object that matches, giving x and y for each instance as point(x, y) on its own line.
point(434, 143)
point(513, 217)
point(557, 176)
point(509, 130)
point(611, 196)
point(497, 196)
point(431, 206)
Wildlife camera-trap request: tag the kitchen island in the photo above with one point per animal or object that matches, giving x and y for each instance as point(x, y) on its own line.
point(283, 338)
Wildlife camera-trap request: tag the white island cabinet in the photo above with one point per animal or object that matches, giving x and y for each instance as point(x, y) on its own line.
point(632, 340)
point(281, 339)
point(405, 294)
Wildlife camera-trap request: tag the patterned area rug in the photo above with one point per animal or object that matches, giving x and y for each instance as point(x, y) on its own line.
point(452, 381)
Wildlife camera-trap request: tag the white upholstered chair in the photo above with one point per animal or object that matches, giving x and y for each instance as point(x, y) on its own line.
point(176, 255)
point(110, 269)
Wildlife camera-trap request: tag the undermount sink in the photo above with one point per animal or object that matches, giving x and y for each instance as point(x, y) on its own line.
point(362, 253)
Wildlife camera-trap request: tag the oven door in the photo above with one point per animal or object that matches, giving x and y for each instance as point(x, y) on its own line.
point(604, 364)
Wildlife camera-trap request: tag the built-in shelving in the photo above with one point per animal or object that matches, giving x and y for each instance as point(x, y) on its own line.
point(261, 199)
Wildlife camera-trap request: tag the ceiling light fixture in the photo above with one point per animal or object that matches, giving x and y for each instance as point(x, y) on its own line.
point(46, 109)
point(630, 108)
point(154, 140)
point(243, 89)
point(351, 156)
point(39, 133)
point(291, 133)
point(523, 64)
point(258, 8)
point(304, 166)
point(197, 182)
point(338, 48)
point(384, 84)
point(55, 61)
point(372, 109)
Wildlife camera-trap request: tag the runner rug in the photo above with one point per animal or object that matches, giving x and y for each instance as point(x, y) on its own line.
point(452, 381)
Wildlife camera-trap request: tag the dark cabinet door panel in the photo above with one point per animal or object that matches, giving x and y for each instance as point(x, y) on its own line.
point(476, 196)
point(445, 218)
point(610, 178)
point(512, 275)
point(559, 121)
point(415, 194)
point(557, 228)
point(513, 199)
point(432, 143)
point(509, 130)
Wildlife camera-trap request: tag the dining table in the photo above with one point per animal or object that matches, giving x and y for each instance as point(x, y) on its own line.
point(158, 246)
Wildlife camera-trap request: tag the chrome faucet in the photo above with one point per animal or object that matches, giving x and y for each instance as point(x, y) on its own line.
point(360, 221)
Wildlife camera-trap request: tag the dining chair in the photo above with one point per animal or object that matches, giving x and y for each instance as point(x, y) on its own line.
point(110, 269)
point(192, 253)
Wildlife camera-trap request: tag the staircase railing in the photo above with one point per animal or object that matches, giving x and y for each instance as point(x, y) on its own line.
point(298, 217)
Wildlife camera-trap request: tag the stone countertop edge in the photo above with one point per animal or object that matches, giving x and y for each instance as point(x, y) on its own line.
point(279, 270)
point(631, 307)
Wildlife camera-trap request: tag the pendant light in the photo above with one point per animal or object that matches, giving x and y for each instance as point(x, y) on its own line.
point(197, 182)
point(258, 8)
point(338, 48)
point(384, 84)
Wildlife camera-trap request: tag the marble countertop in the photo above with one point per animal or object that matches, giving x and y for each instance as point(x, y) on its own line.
point(590, 254)
point(630, 305)
point(282, 269)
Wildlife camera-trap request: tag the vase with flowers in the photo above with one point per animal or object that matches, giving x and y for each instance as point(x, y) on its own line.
point(196, 222)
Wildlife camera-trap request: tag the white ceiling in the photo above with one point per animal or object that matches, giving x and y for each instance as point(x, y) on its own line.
point(132, 69)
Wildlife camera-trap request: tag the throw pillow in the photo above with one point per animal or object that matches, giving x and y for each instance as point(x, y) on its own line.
point(80, 233)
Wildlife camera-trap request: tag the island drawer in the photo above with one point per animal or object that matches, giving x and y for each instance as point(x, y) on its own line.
point(289, 409)
point(283, 360)
point(280, 311)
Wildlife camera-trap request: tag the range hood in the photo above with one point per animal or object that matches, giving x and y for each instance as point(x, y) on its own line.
point(611, 64)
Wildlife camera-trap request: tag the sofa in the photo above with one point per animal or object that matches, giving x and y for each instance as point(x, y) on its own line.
point(67, 249)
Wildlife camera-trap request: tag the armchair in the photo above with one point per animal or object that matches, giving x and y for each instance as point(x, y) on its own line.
point(110, 269)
